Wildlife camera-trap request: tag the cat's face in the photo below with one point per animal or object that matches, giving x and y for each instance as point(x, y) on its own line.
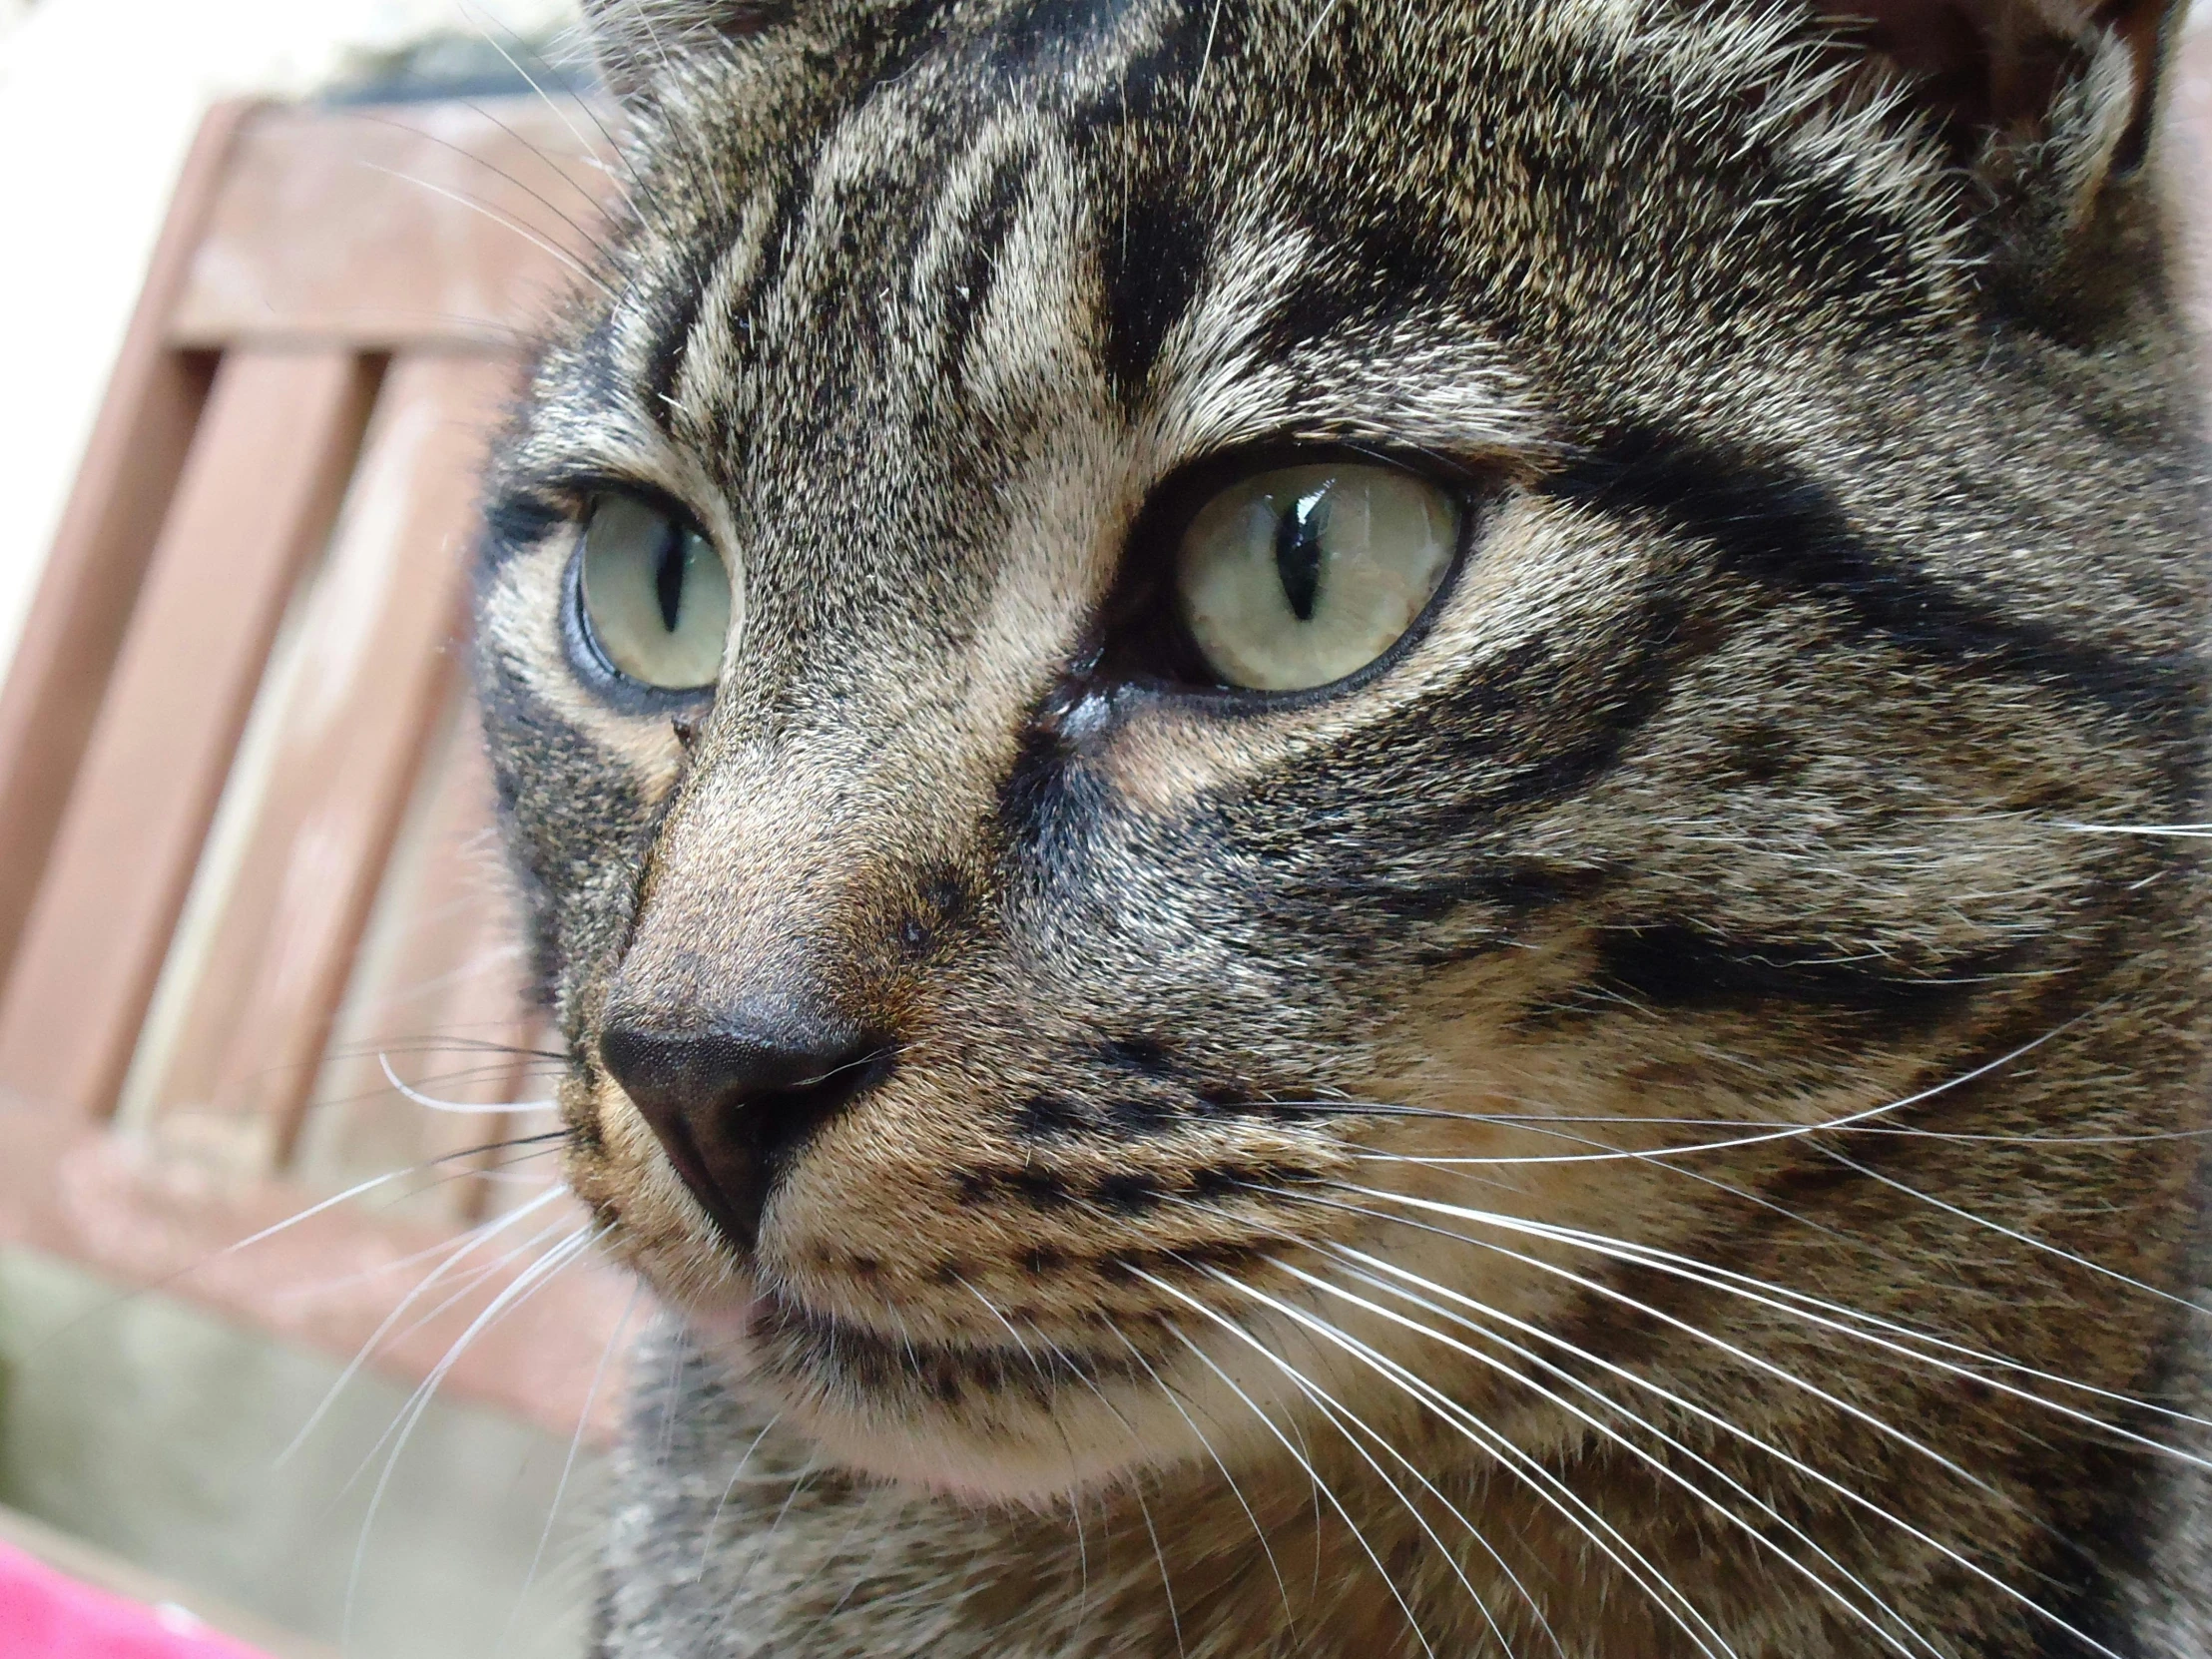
point(1035, 1027)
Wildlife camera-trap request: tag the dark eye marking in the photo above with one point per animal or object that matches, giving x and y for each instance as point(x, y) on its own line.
point(1773, 524)
point(1152, 262)
point(983, 243)
point(664, 369)
point(1053, 28)
point(1049, 801)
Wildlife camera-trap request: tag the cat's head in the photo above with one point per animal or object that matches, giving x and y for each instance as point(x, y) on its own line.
point(1170, 672)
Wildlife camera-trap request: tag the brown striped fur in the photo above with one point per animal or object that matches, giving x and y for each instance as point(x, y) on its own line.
point(1737, 877)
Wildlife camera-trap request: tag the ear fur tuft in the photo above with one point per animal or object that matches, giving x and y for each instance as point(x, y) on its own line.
point(2006, 73)
point(2049, 107)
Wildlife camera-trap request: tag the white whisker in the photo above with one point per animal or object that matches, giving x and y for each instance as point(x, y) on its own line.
point(526, 1284)
point(397, 1264)
point(1167, 1585)
point(1260, 1532)
point(497, 171)
point(491, 212)
point(461, 1250)
point(1787, 1132)
point(714, 1521)
point(1319, 1485)
point(583, 143)
point(568, 1464)
point(1320, 1399)
point(1678, 1607)
point(1810, 1309)
point(1485, 1311)
point(1531, 1357)
point(2016, 1235)
point(1336, 1415)
point(464, 1108)
point(476, 1277)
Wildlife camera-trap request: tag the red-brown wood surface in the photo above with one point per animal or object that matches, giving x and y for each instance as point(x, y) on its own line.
point(2189, 171)
point(298, 259)
point(405, 226)
point(439, 995)
point(356, 687)
point(75, 621)
point(259, 491)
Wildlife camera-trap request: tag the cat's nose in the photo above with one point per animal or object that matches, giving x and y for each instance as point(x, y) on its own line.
point(735, 1096)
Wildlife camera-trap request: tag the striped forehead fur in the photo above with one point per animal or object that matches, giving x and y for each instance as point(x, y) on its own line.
point(1701, 63)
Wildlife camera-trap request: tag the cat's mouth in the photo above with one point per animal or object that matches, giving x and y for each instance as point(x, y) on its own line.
point(1020, 1420)
point(794, 1346)
point(1035, 1418)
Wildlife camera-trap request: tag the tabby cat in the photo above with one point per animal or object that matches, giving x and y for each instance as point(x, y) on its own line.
point(1364, 826)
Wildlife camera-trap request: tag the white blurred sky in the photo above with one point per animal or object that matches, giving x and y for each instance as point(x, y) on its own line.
point(97, 100)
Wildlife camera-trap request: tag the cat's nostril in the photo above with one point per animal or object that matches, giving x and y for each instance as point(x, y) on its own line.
point(732, 1098)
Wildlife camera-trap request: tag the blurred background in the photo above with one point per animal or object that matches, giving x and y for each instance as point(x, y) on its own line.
point(272, 263)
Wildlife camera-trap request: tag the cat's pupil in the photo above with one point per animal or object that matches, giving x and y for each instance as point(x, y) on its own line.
point(1297, 552)
point(668, 575)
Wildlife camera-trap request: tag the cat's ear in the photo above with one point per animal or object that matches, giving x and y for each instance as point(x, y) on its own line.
point(2056, 97)
point(639, 42)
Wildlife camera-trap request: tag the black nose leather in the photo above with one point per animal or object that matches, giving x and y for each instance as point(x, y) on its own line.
point(734, 1097)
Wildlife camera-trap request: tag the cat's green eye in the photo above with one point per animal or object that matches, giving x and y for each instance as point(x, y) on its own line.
point(1294, 578)
point(655, 596)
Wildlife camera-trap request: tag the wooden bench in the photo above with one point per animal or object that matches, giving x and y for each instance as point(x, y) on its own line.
point(246, 856)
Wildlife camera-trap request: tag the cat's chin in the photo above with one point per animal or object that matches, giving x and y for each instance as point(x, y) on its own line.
point(1040, 1471)
point(985, 1424)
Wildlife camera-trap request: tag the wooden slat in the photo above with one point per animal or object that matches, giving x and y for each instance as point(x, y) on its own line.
point(398, 227)
point(366, 671)
point(76, 622)
point(438, 990)
point(257, 498)
point(296, 256)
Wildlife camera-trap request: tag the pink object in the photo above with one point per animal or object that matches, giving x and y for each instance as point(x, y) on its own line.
point(45, 1614)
